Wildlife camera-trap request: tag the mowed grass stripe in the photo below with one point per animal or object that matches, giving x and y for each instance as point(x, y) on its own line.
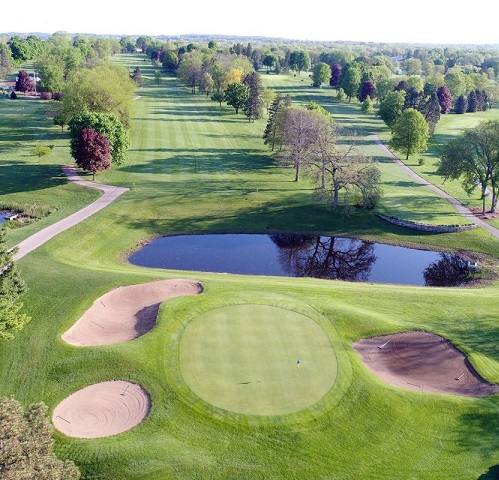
point(257, 359)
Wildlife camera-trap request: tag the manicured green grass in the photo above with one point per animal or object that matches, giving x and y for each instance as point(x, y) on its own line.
point(198, 168)
point(257, 359)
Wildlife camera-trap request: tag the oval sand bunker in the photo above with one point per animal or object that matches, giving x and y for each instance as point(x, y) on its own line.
point(102, 409)
point(257, 359)
point(422, 361)
point(126, 313)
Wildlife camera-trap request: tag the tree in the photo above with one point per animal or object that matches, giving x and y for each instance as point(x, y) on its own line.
point(236, 95)
point(444, 99)
point(5, 60)
point(218, 97)
point(170, 61)
point(190, 69)
point(391, 107)
point(105, 88)
point(92, 152)
point(269, 61)
point(321, 73)
point(367, 89)
point(335, 75)
point(12, 287)
point(299, 61)
point(350, 80)
point(367, 106)
point(274, 131)
point(253, 106)
point(136, 76)
point(472, 102)
point(24, 83)
point(157, 76)
point(207, 83)
point(473, 158)
point(268, 96)
point(431, 112)
point(27, 447)
point(107, 125)
point(299, 130)
point(410, 133)
point(461, 104)
point(335, 168)
point(41, 150)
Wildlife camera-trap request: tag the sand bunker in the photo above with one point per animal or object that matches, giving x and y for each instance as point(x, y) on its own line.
point(102, 410)
point(126, 313)
point(422, 361)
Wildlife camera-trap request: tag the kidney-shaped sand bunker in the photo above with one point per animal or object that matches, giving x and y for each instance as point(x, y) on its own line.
point(422, 361)
point(126, 313)
point(102, 409)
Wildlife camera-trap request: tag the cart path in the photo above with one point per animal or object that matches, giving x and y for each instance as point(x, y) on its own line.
point(464, 211)
point(110, 193)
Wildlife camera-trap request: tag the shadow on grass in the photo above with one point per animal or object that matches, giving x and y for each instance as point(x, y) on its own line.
point(203, 160)
point(20, 177)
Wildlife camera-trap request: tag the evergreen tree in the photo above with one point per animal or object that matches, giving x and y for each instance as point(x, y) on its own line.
point(12, 286)
point(26, 444)
point(461, 104)
point(273, 134)
point(472, 102)
point(253, 106)
point(431, 112)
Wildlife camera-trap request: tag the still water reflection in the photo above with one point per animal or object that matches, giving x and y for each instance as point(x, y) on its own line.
point(293, 255)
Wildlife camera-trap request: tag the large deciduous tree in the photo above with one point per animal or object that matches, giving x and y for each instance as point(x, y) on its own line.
point(391, 107)
point(299, 135)
point(105, 88)
point(236, 95)
point(336, 168)
point(92, 152)
point(12, 287)
point(321, 73)
point(26, 444)
point(24, 83)
point(350, 80)
point(410, 133)
point(106, 124)
point(473, 158)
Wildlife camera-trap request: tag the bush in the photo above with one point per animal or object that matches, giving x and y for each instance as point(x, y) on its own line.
point(57, 96)
point(13, 95)
point(45, 96)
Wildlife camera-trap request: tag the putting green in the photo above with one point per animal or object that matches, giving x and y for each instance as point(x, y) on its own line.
point(257, 359)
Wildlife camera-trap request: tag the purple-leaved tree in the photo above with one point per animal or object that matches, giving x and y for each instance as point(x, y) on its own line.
point(93, 153)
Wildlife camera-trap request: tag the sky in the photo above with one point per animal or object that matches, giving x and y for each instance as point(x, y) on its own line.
point(389, 21)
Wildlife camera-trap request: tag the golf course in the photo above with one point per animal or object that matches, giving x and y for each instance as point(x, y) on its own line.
point(157, 374)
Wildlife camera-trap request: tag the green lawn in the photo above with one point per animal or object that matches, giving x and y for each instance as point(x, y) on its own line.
point(197, 168)
point(257, 359)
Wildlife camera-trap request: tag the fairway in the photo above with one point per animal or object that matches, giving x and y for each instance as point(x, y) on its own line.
point(257, 359)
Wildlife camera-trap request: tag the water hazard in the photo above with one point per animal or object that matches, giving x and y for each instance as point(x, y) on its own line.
point(292, 255)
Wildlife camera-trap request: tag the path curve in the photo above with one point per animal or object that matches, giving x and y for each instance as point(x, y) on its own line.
point(111, 193)
point(464, 211)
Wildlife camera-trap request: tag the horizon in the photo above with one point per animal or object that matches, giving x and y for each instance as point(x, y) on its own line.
point(435, 24)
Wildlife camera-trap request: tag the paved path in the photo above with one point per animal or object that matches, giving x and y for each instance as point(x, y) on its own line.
point(39, 238)
point(464, 211)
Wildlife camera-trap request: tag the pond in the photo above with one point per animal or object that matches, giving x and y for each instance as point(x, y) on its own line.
point(292, 255)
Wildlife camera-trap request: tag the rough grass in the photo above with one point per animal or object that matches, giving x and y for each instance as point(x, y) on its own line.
point(197, 168)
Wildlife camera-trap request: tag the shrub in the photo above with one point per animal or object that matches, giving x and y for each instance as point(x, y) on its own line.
point(57, 96)
point(45, 96)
